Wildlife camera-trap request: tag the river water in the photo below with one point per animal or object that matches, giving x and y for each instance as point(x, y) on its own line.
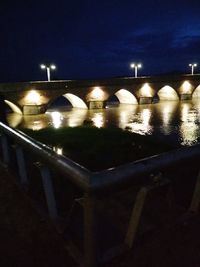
point(173, 121)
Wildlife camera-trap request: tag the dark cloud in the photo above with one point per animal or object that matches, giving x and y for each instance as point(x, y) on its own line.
point(97, 38)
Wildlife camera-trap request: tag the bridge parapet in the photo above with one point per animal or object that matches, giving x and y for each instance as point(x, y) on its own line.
point(35, 97)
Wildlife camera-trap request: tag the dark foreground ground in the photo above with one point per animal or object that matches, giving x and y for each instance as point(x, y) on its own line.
point(28, 240)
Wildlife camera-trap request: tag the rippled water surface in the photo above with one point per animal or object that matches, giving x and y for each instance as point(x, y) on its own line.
point(173, 121)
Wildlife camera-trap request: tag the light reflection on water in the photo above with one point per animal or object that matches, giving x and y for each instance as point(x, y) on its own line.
point(171, 120)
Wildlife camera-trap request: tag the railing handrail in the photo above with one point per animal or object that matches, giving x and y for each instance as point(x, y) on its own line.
point(135, 172)
point(72, 170)
point(138, 171)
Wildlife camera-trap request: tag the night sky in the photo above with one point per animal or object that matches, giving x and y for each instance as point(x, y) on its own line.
point(96, 39)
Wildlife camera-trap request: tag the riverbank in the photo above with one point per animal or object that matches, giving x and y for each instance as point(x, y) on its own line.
point(29, 240)
point(102, 148)
point(26, 238)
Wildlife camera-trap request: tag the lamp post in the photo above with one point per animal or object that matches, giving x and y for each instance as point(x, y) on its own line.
point(192, 65)
point(136, 67)
point(48, 68)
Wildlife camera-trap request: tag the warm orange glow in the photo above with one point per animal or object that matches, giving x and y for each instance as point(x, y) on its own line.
point(33, 97)
point(76, 101)
point(98, 120)
point(76, 117)
point(188, 129)
point(185, 111)
point(146, 90)
point(146, 115)
point(58, 150)
point(126, 115)
point(167, 93)
point(126, 97)
point(142, 125)
point(97, 93)
point(187, 87)
point(196, 93)
point(14, 108)
point(57, 119)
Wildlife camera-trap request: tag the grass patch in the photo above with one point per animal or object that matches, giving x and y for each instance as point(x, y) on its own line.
point(101, 148)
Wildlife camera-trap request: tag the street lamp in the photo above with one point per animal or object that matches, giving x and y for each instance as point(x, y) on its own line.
point(48, 68)
point(136, 67)
point(193, 65)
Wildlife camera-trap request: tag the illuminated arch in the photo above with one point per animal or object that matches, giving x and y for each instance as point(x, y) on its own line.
point(196, 93)
point(76, 101)
point(146, 90)
point(126, 97)
point(14, 107)
point(167, 93)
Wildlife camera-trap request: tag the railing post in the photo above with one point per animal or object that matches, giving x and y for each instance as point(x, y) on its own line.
point(22, 166)
point(49, 192)
point(5, 149)
point(90, 259)
point(194, 206)
point(135, 216)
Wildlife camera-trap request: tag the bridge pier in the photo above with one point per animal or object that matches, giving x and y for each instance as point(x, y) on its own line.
point(145, 100)
point(96, 104)
point(34, 109)
point(185, 97)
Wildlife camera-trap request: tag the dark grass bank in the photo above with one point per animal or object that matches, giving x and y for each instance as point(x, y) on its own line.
point(102, 148)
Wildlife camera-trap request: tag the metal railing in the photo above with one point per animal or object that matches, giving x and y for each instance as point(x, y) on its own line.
point(94, 184)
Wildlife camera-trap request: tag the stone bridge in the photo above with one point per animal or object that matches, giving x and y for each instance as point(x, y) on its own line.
point(36, 97)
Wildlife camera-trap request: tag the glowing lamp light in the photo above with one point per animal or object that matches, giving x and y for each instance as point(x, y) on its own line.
point(58, 150)
point(167, 93)
point(146, 115)
point(133, 65)
point(42, 66)
point(192, 65)
point(52, 66)
point(33, 97)
point(56, 119)
point(136, 67)
point(76, 101)
point(184, 112)
point(166, 112)
point(48, 68)
point(146, 90)
point(187, 87)
point(196, 93)
point(14, 107)
point(98, 120)
point(97, 93)
point(126, 97)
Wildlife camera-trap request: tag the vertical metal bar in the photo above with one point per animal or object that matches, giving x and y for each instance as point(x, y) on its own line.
point(5, 149)
point(49, 192)
point(22, 166)
point(194, 206)
point(89, 231)
point(135, 216)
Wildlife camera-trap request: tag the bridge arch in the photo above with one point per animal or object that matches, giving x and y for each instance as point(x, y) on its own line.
point(196, 92)
point(126, 97)
point(167, 93)
point(74, 100)
point(13, 107)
